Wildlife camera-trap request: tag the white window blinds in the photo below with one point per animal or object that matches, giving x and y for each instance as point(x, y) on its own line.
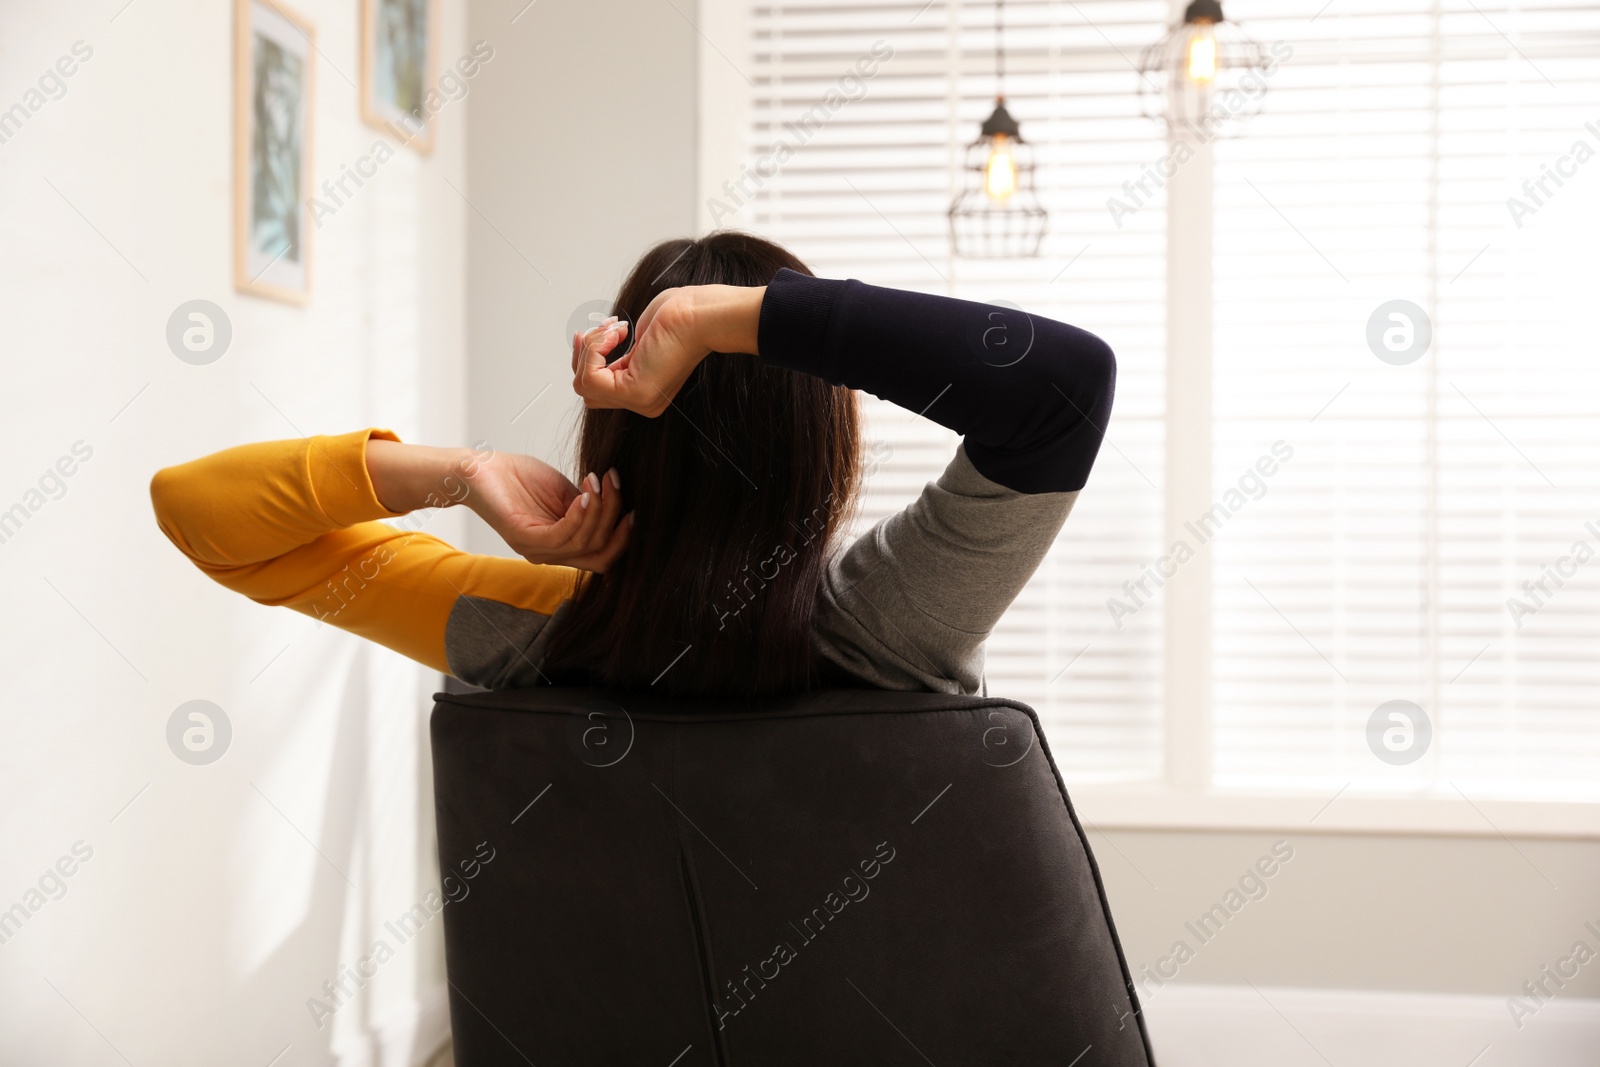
point(1378, 561)
point(1421, 497)
point(865, 196)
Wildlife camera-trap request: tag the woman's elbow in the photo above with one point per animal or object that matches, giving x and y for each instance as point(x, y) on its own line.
point(1044, 438)
point(1082, 369)
point(172, 500)
point(1081, 381)
point(1096, 373)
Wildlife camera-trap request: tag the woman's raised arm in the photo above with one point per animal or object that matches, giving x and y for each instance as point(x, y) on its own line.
point(297, 524)
point(910, 604)
point(1030, 396)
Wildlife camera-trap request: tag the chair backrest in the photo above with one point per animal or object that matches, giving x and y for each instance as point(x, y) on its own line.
point(851, 877)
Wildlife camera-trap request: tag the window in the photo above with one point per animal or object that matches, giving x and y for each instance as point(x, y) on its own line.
point(1376, 561)
point(1421, 497)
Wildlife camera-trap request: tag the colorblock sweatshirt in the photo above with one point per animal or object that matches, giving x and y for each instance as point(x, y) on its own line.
point(907, 606)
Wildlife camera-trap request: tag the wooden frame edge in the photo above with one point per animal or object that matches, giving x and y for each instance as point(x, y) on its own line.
point(423, 143)
point(242, 282)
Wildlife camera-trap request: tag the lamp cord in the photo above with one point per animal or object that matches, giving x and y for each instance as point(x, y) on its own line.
point(1000, 47)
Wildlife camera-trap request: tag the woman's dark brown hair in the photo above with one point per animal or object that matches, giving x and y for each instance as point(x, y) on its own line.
point(738, 490)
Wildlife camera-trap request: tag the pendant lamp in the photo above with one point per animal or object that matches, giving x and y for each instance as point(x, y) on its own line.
point(997, 215)
point(1205, 76)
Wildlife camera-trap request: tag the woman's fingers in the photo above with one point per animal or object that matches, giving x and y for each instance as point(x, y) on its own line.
point(585, 533)
point(610, 508)
point(603, 559)
point(549, 543)
point(581, 337)
point(595, 380)
point(565, 490)
point(588, 531)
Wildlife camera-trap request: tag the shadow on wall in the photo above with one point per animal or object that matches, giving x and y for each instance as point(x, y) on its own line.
point(331, 1018)
point(319, 933)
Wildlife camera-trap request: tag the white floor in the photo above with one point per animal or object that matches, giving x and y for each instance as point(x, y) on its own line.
point(1241, 1026)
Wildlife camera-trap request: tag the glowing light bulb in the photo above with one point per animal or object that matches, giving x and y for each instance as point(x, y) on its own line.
point(1000, 172)
point(1203, 54)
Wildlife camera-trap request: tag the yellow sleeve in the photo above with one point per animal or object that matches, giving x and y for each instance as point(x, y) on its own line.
point(293, 523)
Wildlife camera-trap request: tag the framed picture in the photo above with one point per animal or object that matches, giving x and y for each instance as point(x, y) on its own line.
point(274, 87)
point(399, 66)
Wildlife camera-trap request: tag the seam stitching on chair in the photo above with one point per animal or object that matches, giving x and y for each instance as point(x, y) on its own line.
point(1100, 889)
point(702, 946)
point(697, 921)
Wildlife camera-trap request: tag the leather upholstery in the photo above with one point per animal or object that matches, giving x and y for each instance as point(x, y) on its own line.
point(850, 877)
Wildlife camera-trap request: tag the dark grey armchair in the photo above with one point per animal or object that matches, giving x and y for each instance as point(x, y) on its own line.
point(852, 877)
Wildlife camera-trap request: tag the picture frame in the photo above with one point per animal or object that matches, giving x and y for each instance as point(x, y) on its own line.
point(273, 141)
point(399, 68)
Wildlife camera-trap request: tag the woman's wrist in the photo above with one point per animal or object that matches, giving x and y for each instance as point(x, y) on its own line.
point(727, 318)
point(409, 477)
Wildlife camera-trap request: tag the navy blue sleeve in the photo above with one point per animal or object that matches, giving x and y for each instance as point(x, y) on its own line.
point(1029, 395)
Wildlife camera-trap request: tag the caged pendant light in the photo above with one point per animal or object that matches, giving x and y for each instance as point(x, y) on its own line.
point(996, 215)
point(1206, 76)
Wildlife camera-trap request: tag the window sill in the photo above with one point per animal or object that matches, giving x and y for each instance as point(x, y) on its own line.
point(1157, 807)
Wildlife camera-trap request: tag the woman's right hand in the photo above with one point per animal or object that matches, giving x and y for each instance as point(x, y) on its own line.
point(679, 329)
point(544, 517)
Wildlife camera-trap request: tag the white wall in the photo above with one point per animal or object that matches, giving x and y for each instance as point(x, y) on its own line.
point(1265, 1026)
point(581, 155)
point(1447, 914)
point(215, 902)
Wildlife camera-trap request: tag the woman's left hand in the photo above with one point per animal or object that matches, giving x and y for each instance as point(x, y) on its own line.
point(680, 328)
point(647, 377)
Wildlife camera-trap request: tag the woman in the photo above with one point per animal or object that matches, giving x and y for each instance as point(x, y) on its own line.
point(730, 427)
